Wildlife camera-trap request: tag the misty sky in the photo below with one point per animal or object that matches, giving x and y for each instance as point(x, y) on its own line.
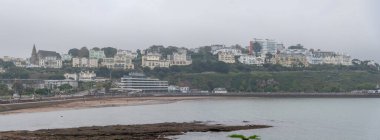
point(349, 26)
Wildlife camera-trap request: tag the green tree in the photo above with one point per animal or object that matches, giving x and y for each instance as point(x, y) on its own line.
point(74, 52)
point(96, 49)
point(18, 88)
point(56, 77)
point(109, 51)
point(6, 65)
point(84, 52)
point(65, 87)
point(138, 60)
point(43, 91)
point(4, 90)
point(29, 91)
point(221, 67)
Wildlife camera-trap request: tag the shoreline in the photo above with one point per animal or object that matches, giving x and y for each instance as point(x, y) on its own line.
point(114, 101)
point(159, 131)
point(49, 106)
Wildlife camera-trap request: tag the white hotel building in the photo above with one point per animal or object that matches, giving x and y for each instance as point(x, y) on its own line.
point(139, 82)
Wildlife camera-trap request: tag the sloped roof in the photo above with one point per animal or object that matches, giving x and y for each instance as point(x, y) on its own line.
point(43, 54)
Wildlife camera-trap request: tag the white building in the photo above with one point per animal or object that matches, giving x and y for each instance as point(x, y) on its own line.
point(235, 52)
point(54, 84)
point(87, 76)
point(19, 62)
point(80, 62)
point(173, 89)
point(7, 58)
point(226, 57)
point(49, 59)
point(121, 60)
point(303, 51)
point(85, 62)
point(2, 70)
point(184, 89)
point(108, 62)
point(321, 57)
point(267, 46)
point(217, 47)
point(179, 58)
point(127, 53)
point(220, 91)
point(72, 76)
point(251, 60)
point(139, 82)
point(93, 63)
point(153, 60)
point(66, 57)
point(96, 54)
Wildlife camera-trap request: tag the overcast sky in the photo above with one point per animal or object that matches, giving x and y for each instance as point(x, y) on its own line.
point(349, 26)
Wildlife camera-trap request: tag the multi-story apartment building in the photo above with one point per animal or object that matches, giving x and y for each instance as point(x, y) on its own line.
point(153, 60)
point(49, 59)
point(127, 53)
point(96, 54)
point(93, 63)
point(120, 61)
point(179, 58)
point(226, 57)
point(66, 57)
point(292, 60)
point(85, 62)
point(320, 57)
point(234, 51)
point(139, 82)
point(251, 60)
point(108, 62)
point(80, 62)
point(267, 46)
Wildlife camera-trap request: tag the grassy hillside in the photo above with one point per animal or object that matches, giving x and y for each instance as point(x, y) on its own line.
point(295, 81)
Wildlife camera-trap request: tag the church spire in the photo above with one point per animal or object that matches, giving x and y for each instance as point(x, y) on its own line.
point(34, 57)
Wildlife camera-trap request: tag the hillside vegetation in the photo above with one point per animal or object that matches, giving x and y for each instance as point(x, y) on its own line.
point(296, 81)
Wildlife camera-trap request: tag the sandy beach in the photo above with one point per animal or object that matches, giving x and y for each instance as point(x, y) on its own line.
point(91, 103)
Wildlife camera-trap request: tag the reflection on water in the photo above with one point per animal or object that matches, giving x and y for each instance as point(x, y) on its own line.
point(296, 119)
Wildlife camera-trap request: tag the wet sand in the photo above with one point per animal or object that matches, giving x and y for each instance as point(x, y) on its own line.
point(159, 131)
point(92, 103)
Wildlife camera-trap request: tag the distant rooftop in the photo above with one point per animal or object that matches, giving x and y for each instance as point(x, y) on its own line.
point(137, 74)
point(44, 54)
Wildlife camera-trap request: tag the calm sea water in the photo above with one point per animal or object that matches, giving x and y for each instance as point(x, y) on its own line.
point(295, 119)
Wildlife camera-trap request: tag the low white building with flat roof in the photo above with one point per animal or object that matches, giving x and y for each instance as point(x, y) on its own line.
point(53, 84)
